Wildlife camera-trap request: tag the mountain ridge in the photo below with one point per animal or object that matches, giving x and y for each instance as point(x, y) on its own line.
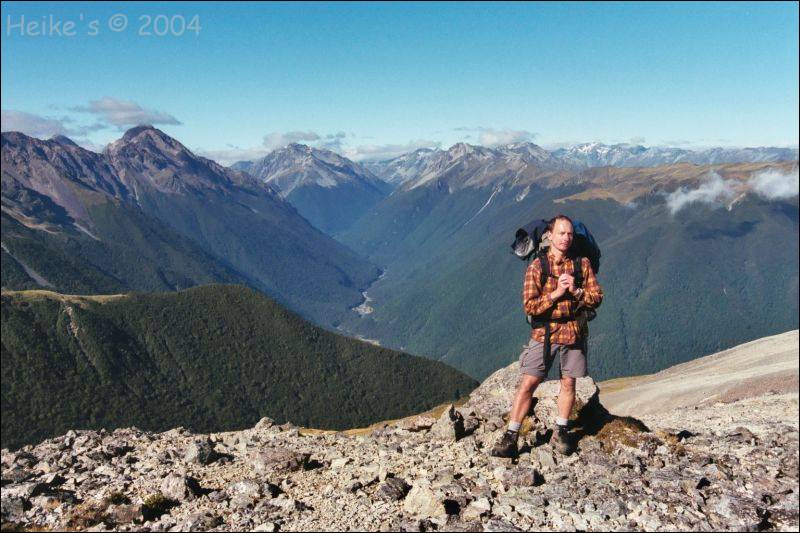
point(65, 197)
point(162, 359)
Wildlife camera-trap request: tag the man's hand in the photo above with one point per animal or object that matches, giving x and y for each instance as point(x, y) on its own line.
point(562, 287)
point(569, 280)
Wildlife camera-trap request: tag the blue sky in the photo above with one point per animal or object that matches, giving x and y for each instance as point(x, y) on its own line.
point(374, 80)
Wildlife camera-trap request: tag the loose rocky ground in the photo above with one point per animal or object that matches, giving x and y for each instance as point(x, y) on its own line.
point(719, 467)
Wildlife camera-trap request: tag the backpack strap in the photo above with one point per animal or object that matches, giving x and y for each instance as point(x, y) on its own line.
point(544, 265)
point(577, 271)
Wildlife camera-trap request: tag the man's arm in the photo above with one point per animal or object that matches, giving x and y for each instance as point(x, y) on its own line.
point(534, 301)
point(592, 294)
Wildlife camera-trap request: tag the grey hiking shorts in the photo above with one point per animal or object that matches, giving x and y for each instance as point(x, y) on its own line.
point(532, 360)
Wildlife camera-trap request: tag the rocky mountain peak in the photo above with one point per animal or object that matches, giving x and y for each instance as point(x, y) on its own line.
point(147, 157)
point(298, 148)
point(63, 140)
point(147, 138)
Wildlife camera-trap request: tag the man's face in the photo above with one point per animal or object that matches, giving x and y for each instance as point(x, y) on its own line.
point(561, 236)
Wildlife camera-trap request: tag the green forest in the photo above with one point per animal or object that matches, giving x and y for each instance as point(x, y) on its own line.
point(210, 358)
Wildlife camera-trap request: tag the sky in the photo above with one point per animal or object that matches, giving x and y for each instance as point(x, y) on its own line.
point(233, 81)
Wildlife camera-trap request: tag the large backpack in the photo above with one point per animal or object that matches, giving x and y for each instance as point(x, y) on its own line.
point(528, 242)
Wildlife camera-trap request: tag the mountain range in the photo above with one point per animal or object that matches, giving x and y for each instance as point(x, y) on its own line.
point(148, 214)
point(327, 189)
point(451, 289)
point(413, 166)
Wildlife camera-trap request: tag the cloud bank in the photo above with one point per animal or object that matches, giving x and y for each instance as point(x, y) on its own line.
point(122, 113)
point(773, 184)
point(33, 125)
point(770, 184)
point(712, 190)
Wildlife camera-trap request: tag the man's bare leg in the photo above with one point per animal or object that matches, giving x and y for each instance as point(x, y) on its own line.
point(566, 397)
point(507, 445)
point(523, 397)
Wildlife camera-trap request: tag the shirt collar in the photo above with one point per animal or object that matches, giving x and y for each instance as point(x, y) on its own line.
point(556, 261)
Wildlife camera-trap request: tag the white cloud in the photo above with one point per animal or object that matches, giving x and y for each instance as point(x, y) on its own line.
point(491, 137)
point(379, 152)
point(712, 190)
point(33, 125)
point(275, 140)
point(233, 154)
point(773, 184)
point(122, 113)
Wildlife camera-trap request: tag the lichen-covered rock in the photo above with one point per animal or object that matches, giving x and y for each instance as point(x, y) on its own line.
point(449, 426)
point(494, 396)
point(201, 451)
point(278, 460)
point(393, 489)
point(180, 488)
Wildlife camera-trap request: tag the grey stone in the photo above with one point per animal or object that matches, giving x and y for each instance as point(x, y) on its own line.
point(201, 451)
point(393, 489)
point(422, 501)
point(278, 460)
point(449, 426)
point(12, 508)
point(199, 521)
point(180, 488)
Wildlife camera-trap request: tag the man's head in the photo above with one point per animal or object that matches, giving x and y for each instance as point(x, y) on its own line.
point(561, 232)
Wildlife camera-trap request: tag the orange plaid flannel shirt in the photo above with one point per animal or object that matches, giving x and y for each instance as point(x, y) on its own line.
point(537, 300)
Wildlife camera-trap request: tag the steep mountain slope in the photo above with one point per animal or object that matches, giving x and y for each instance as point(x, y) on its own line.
point(69, 224)
point(148, 195)
point(763, 366)
point(210, 358)
point(452, 291)
point(399, 170)
point(327, 189)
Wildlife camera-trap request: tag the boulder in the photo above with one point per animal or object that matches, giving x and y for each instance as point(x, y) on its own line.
point(180, 488)
point(201, 451)
point(423, 502)
point(449, 426)
point(493, 398)
point(416, 423)
point(278, 460)
point(392, 489)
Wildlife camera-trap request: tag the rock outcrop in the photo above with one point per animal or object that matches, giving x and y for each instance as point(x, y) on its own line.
point(717, 467)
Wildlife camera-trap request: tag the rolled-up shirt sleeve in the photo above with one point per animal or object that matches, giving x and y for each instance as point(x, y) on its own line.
point(592, 292)
point(533, 301)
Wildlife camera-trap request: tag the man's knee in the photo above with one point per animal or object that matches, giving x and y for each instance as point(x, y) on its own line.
point(528, 384)
point(568, 385)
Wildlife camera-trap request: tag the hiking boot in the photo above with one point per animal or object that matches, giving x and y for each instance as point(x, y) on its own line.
point(506, 446)
point(560, 439)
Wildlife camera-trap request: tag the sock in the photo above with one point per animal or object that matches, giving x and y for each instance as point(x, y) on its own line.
point(514, 426)
point(562, 421)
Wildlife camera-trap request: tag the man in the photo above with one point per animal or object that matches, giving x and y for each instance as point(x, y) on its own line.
point(557, 302)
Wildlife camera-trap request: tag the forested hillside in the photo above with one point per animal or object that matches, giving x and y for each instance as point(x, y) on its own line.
point(211, 358)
